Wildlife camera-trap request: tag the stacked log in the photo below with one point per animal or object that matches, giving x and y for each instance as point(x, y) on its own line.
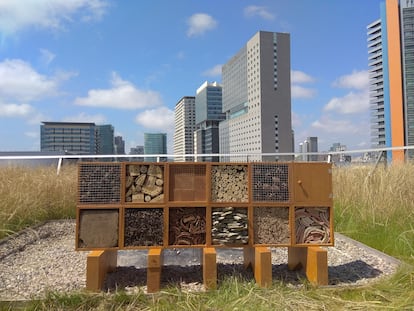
point(144, 183)
point(187, 226)
point(312, 225)
point(144, 227)
point(270, 182)
point(99, 183)
point(229, 183)
point(271, 225)
point(229, 226)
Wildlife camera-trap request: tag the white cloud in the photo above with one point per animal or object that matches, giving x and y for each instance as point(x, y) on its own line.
point(83, 117)
point(261, 11)
point(20, 82)
point(328, 125)
point(302, 92)
point(16, 16)
point(46, 56)
point(300, 77)
point(213, 72)
point(200, 23)
point(122, 95)
point(15, 110)
point(160, 118)
point(350, 103)
point(356, 80)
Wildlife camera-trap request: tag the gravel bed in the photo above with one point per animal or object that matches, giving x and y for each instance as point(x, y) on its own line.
point(42, 259)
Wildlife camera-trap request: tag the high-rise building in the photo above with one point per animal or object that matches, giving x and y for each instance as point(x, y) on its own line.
point(155, 143)
point(257, 98)
point(309, 145)
point(120, 145)
point(71, 137)
point(184, 128)
point(208, 114)
point(105, 139)
point(391, 77)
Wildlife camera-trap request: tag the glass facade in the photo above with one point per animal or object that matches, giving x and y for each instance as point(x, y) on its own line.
point(155, 143)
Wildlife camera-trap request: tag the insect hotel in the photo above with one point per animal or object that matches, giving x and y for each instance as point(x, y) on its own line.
point(207, 205)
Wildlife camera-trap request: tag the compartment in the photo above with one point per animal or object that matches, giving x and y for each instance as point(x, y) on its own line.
point(270, 182)
point(271, 225)
point(229, 183)
point(143, 227)
point(187, 182)
point(229, 226)
point(98, 228)
point(312, 183)
point(312, 225)
point(144, 183)
point(187, 226)
point(99, 183)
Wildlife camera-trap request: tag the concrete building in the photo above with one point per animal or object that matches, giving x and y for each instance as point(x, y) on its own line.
point(105, 141)
point(184, 128)
point(119, 145)
point(309, 145)
point(391, 77)
point(72, 137)
point(155, 143)
point(257, 98)
point(208, 114)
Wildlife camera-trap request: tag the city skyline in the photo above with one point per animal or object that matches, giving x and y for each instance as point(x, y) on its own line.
point(108, 62)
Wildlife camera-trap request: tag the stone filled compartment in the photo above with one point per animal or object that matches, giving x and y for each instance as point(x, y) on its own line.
point(187, 226)
point(229, 226)
point(312, 225)
point(99, 183)
point(229, 183)
point(187, 182)
point(270, 182)
point(143, 227)
point(271, 225)
point(144, 183)
point(98, 228)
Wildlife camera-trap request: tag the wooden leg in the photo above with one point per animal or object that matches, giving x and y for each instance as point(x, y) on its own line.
point(263, 266)
point(209, 267)
point(313, 260)
point(154, 266)
point(98, 263)
point(248, 257)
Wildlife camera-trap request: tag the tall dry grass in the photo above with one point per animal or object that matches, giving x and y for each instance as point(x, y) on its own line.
point(376, 206)
point(33, 194)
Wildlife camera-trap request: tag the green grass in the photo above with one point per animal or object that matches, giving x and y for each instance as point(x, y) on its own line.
point(373, 206)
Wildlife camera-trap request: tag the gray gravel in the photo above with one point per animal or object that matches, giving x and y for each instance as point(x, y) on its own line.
point(42, 258)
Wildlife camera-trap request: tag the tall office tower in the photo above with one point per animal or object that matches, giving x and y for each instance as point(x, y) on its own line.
point(120, 145)
point(391, 76)
point(309, 145)
point(208, 114)
point(184, 128)
point(72, 137)
point(105, 142)
point(155, 143)
point(257, 98)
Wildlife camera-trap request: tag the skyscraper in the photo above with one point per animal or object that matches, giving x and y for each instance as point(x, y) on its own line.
point(184, 128)
point(208, 114)
point(155, 143)
point(257, 98)
point(119, 145)
point(391, 76)
point(105, 139)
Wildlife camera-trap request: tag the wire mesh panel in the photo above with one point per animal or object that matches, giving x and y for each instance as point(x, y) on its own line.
point(312, 225)
point(99, 183)
point(270, 182)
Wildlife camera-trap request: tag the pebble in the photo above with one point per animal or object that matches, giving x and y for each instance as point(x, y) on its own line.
point(43, 258)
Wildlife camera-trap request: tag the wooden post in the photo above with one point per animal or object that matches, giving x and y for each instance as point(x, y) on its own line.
point(248, 257)
point(98, 263)
point(263, 266)
point(313, 260)
point(154, 266)
point(209, 268)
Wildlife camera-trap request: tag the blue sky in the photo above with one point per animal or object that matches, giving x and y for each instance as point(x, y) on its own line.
point(127, 63)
